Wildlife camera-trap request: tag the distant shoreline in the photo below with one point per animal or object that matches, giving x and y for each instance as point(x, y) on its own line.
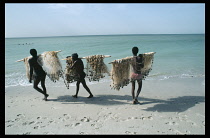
point(97, 35)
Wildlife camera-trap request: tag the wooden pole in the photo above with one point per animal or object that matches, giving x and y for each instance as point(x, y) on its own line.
point(31, 56)
point(106, 56)
point(130, 57)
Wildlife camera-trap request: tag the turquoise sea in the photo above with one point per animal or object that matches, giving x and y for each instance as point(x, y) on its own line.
point(177, 55)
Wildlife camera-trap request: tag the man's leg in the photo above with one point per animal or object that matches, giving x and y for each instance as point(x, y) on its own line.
point(86, 87)
point(44, 88)
point(36, 82)
point(77, 89)
point(139, 90)
point(132, 91)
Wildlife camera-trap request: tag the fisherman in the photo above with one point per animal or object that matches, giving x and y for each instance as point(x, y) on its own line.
point(136, 74)
point(79, 67)
point(37, 74)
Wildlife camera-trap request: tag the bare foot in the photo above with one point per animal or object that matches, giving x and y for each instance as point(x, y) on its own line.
point(75, 96)
point(136, 101)
point(90, 96)
point(45, 97)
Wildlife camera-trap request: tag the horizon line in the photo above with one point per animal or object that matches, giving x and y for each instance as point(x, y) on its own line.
point(104, 35)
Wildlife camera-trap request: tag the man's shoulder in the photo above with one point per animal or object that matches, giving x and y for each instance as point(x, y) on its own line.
point(30, 60)
point(79, 60)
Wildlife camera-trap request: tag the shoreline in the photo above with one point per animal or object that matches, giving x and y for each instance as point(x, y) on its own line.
point(174, 106)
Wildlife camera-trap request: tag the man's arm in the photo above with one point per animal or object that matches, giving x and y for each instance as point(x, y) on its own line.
point(73, 65)
point(31, 71)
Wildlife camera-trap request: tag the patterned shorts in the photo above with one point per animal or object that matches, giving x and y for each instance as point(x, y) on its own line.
point(136, 76)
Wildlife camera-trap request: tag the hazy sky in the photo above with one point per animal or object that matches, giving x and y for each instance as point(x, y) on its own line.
point(49, 19)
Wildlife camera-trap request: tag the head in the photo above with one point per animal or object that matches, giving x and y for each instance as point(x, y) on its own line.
point(74, 56)
point(33, 52)
point(141, 55)
point(135, 50)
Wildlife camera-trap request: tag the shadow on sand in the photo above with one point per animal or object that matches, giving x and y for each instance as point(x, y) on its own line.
point(178, 104)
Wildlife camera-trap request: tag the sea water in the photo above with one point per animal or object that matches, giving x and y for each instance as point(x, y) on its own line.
point(177, 55)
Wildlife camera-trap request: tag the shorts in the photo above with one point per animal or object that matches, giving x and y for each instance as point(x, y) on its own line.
point(136, 76)
point(80, 77)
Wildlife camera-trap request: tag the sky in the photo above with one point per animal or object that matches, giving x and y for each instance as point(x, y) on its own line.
point(67, 19)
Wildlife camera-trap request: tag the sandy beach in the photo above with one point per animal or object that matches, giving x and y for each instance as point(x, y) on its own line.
point(171, 106)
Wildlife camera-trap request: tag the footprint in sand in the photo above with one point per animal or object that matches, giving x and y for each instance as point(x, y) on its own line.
point(9, 121)
point(28, 123)
point(149, 118)
point(92, 125)
point(127, 132)
point(171, 123)
point(69, 125)
point(39, 117)
point(20, 115)
point(76, 124)
point(51, 121)
point(31, 122)
point(66, 116)
point(9, 125)
point(27, 133)
point(85, 119)
point(17, 119)
point(193, 124)
point(36, 127)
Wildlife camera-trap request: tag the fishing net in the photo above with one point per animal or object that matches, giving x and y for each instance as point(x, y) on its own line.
point(96, 67)
point(148, 59)
point(70, 74)
point(122, 69)
point(120, 73)
point(51, 65)
point(25, 60)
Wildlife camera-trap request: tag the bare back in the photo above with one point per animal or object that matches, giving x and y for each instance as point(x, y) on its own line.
point(137, 64)
point(37, 69)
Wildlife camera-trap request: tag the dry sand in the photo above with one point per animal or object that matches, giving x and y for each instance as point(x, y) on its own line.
point(173, 106)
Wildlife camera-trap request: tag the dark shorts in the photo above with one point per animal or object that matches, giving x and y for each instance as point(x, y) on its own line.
point(82, 76)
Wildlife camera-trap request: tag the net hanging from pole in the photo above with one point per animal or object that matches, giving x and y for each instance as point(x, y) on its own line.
point(122, 69)
point(70, 74)
point(96, 68)
point(51, 65)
